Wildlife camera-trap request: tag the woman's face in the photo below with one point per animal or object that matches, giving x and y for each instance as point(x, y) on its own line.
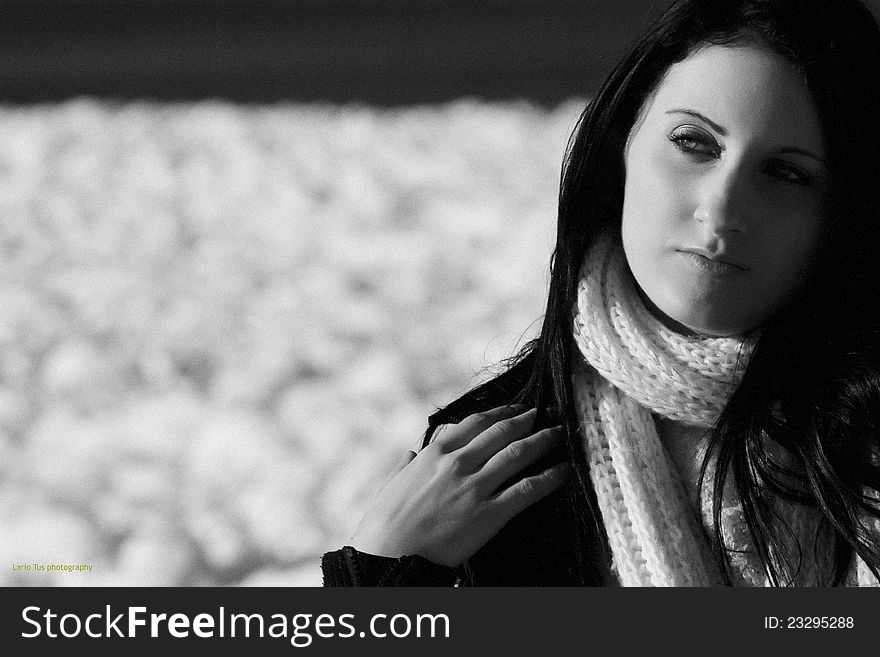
point(725, 186)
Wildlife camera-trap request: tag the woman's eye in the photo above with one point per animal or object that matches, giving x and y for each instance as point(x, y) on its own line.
point(690, 139)
point(789, 173)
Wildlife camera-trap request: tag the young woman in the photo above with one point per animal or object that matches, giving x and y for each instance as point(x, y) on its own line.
point(702, 406)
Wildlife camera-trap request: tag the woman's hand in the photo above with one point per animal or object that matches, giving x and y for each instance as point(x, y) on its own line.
point(446, 502)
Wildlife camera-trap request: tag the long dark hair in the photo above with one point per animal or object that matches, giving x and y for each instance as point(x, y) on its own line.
point(812, 385)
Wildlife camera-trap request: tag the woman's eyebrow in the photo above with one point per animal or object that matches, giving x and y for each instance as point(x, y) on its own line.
point(723, 132)
point(717, 128)
point(801, 151)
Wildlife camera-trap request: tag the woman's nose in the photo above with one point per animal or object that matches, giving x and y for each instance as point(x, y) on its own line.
point(723, 202)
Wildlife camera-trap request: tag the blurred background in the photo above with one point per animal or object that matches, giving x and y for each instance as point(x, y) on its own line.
point(248, 246)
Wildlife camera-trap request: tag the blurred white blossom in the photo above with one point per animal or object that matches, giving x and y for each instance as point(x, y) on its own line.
point(221, 324)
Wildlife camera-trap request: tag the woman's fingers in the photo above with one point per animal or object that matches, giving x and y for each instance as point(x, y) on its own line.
point(405, 460)
point(439, 504)
point(401, 463)
point(499, 435)
point(519, 496)
point(455, 436)
point(518, 455)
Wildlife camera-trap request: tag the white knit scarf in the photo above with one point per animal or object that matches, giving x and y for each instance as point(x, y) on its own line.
point(634, 366)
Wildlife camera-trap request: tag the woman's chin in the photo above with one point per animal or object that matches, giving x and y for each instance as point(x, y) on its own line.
point(695, 313)
point(712, 326)
point(698, 320)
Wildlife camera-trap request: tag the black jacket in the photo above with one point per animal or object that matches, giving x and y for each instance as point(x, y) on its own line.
point(536, 548)
point(545, 545)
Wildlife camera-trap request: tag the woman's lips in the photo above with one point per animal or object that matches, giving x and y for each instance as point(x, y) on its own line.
point(711, 265)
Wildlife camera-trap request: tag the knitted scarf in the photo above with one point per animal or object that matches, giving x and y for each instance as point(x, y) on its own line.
point(635, 367)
